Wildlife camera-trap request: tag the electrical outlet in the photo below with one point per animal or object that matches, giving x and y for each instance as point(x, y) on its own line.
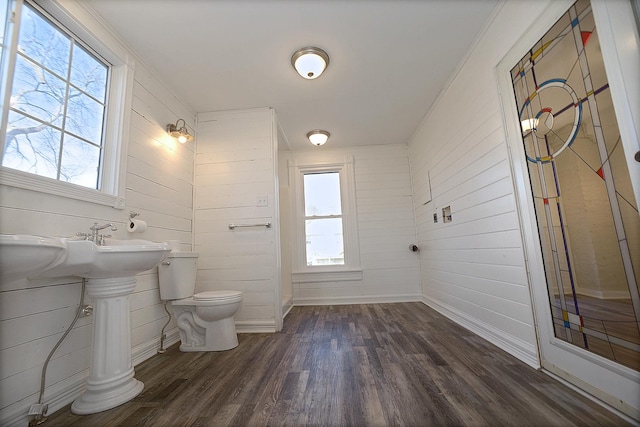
point(446, 214)
point(262, 201)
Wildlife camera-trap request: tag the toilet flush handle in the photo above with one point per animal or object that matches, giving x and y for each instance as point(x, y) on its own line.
point(167, 262)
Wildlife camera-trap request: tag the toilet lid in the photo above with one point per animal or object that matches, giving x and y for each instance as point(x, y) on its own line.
point(216, 295)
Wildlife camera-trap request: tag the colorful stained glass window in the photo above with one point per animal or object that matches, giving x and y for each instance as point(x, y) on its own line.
point(587, 215)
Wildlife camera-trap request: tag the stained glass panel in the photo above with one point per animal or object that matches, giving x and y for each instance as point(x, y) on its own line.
point(587, 215)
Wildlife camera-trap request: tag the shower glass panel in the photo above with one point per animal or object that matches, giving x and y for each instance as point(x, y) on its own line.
point(587, 215)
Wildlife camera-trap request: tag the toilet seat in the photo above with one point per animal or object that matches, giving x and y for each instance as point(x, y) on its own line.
point(217, 295)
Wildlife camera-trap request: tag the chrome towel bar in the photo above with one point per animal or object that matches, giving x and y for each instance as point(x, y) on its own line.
point(266, 224)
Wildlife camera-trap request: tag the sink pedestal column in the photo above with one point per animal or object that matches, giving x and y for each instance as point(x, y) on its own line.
point(111, 382)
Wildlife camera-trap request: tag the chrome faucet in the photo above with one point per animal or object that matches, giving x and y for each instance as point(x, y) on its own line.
point(96, 238)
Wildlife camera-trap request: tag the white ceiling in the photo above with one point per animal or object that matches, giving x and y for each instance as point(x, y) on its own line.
point(388, 58)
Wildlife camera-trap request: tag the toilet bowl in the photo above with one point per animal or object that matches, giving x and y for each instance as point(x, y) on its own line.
point(205, 320)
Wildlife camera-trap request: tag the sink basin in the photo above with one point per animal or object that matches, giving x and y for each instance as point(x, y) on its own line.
point(24, 255)
point(117, 258)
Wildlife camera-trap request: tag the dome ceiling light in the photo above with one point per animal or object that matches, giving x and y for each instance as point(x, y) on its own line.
point(310, 62)
point(318, 137)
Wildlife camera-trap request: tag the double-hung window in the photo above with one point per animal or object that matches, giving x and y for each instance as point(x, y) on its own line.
point(326, 244)
point(63, 105)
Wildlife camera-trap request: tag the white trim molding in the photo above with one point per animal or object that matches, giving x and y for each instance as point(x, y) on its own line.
point(255, 326)
point(526, 352)
point(360, 299)
point(326, 276)
point(82, 22)
point(303, 273)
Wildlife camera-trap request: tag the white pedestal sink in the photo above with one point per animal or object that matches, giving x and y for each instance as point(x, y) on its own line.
point(23, 255)
point(110, 271)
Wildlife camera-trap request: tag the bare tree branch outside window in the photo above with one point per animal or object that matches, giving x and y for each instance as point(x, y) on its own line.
point(57, 107)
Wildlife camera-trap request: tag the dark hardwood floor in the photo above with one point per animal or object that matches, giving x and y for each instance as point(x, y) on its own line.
point(353, 365)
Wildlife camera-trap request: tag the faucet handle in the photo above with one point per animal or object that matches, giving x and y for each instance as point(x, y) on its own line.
point(102, 237)
point(86, 236)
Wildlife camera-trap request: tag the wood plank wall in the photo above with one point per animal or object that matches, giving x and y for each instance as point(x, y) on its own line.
point(473, 267)
point(34, 315)
point(236, 165)
point(385, 224)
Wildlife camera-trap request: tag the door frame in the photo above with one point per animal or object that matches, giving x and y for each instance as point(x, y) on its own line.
point(614, 384)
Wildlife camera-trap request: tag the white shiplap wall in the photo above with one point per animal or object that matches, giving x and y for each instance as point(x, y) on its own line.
point(473, 268)
point(34, 315)
point(385, 226)
point(236, 165)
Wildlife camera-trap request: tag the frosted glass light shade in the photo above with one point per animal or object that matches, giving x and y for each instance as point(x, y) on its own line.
point(310, 62)
point(318, 137)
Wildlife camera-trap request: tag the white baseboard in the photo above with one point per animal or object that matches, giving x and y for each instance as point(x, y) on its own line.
point(371, 299)
point(287, 305)
point(148, 349)
point(288, 309)
point(255, 326)
point(518, 348)
point(615, 405)
point(65, 396)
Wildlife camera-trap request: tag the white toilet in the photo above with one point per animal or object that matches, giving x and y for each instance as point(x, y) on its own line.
point(205, 320)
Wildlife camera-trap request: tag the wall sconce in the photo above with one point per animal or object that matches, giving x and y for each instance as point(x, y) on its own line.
point(179, 132)
point(310, 62)
point(318, 137)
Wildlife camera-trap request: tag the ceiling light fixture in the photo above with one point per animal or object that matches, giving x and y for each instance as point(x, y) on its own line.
point(529, 124)
point(318, 137)
point(179, 132)
point(310, 62)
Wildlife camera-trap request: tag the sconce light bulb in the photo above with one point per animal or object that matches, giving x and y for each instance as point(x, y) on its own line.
point(182, 139)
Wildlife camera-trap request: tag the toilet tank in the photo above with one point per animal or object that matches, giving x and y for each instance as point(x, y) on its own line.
point(177, 275)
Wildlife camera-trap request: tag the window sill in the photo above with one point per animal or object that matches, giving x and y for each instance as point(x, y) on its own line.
point(19, 179)
point(326, 276)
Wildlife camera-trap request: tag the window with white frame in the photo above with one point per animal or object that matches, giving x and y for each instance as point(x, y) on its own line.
point(63, 106)
point(324, 244)
point(326, 240)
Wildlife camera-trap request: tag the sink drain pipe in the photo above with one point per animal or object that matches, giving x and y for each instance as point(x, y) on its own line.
point(39, 409)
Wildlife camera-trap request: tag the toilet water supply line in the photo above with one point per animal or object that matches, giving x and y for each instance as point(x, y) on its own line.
point(163, 336)
point(39, 409)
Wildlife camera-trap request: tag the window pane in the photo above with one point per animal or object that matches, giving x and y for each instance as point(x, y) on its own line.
point(88, 74)
point(54, 93)
point(31, 146)
point(322, 194)
point(37, 92)
point(84, 117)
point(324, 241)
point(80, 162)
point(43, 42)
